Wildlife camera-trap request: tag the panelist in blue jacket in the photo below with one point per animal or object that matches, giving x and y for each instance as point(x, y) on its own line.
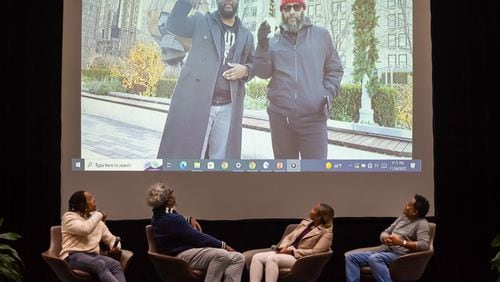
point(174, 236)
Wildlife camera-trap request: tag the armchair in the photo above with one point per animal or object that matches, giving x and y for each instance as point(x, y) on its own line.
point(305, 269)
point(61, 268)
point(170, 268)
point(408, 267)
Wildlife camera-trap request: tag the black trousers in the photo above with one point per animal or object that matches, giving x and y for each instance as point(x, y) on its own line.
point(304, 138)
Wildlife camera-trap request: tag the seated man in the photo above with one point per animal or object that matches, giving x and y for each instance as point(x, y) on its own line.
point(175, 237)
point(171, 202)
point(83, 229)
point(408, 233)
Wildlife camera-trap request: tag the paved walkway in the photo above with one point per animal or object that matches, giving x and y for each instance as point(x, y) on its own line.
point(107, 138)
point(137, 122)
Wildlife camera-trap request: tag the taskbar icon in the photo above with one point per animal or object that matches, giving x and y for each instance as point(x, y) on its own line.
point(203, 165)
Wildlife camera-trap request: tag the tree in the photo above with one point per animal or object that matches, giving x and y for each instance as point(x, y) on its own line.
point(143, 69)
point(365, 43)
point(400, 24)
point(337, 20)
point(272, 10)
point(406, 23)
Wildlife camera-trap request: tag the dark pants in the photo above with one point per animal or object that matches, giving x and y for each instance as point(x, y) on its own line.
point(105, 268)
point(306, 138)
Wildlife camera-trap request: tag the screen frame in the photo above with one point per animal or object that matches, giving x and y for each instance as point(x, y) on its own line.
point(221, 195)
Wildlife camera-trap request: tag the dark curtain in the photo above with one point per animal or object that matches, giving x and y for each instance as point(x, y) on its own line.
point(465, 85)
point(31, 131)
point(465, 76)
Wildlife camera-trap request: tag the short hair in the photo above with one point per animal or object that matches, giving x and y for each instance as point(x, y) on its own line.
point(421, 205)
point(156, 196)
point(78, 202)
point(326, 214)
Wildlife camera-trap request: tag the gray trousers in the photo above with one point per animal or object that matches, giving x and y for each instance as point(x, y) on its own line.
point(105, 268)
point(217, 135)
point(218, 263)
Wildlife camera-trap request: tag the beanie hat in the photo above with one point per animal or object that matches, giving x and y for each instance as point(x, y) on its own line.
point(284, 2)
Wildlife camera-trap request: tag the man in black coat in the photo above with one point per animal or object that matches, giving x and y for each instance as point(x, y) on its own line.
point(207, 105)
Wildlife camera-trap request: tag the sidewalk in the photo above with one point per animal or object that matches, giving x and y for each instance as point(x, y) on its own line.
point(137, 122)
point(104, 138)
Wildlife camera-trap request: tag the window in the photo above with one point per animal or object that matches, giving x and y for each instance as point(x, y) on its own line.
point(392, 60)
point(335, 7)
point(402, 40)
point(391, 3)
point(392, 40)
point(401, 20)
point(342, 25)
point(318, 10)
point(250, 12)
point(391, 20)
point(403, 60)
point(251, 25)
point(343, 7)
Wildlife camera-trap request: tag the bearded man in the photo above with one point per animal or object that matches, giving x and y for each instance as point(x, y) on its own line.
point(206, 111)
point(305, 71)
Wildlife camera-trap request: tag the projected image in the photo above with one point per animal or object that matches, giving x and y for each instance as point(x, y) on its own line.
point(327, 84)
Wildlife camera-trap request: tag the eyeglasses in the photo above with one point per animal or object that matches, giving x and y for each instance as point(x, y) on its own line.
point(296, 7)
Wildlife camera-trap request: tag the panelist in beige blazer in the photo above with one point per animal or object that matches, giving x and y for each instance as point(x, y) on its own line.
point(311, 236)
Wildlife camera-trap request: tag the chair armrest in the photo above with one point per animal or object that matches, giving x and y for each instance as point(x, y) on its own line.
point(250, 253)
point(410, 266)
point(174, 269)
point(307, 268)
point(59, 266)
point(125, 259)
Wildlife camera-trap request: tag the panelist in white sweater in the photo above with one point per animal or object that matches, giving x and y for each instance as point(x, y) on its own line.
point(83, 229)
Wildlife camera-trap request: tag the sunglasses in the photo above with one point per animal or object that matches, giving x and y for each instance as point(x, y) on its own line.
point(296, 7)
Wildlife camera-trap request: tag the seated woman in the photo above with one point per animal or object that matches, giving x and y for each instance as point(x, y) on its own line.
point(311, 236)
point(82, 229)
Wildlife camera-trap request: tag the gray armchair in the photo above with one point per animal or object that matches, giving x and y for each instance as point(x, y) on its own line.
point(408, 267)
point(170, 268)
point(61, 268)
point(305, 269)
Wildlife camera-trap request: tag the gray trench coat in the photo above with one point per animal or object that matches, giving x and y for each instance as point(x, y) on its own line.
point(187, 118)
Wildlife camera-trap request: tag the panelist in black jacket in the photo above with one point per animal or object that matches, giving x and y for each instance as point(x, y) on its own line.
point(174, 236)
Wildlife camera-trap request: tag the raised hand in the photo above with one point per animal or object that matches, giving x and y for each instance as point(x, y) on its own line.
point(264, 30)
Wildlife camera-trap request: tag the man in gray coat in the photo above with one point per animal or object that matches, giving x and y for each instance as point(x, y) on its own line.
point(207, 105)
point(305, 72)
point(408, 233)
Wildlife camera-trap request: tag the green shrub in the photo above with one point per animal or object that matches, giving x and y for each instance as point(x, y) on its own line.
point(346, 105)
point(103, 87)
point(384, 106)
point(255, 103)
point(257, 89)
point(96, 74)
point(165, 87)
point(115, 76)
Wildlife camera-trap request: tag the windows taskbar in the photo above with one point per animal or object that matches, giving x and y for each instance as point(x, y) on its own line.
point(258, 165)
